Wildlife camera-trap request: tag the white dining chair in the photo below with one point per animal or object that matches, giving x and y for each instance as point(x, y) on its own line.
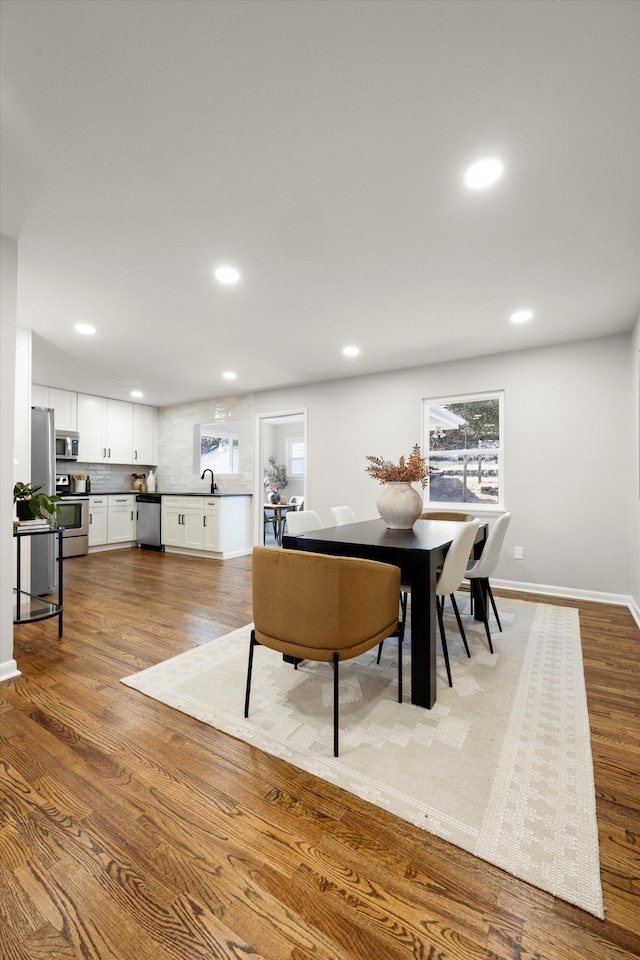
point(449, 579)
point(301, 521)
point(341, 515)
point(480, 570)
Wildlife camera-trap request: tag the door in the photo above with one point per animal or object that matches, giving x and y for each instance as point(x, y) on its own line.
point(273, 433)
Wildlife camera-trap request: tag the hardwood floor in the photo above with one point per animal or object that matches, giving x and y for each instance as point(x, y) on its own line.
point(128, 830)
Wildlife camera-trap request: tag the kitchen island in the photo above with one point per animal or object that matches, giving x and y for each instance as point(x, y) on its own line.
point(216, 526)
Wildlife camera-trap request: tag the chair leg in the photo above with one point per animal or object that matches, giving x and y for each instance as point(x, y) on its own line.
point(336, 689)
point(485, 619)
point(460, 627)
point(400, 639)
point(402, 622)
point(444, 640)
point(252, 643)
point(493, 604)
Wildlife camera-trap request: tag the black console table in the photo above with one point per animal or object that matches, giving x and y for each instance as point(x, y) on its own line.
point(29, 608)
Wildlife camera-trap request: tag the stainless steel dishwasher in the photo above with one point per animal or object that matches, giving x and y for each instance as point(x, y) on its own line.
point(148, 532)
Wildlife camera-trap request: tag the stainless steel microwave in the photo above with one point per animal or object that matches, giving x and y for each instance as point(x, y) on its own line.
point(66, 445)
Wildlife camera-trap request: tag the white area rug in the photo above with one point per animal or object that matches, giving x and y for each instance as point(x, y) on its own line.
point(501, 766)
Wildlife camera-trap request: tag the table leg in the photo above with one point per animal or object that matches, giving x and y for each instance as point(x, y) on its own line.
point(476, 586)
point(423, 632)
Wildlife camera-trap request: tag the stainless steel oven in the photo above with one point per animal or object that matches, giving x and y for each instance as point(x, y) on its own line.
point(74, 517)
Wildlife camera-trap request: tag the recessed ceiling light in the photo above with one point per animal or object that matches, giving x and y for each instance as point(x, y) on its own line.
point(483, 174)
point(227, 275)
point(229, 375)
point(351, 351)
point(137, 393)
point(85, 328)
point(521, 316)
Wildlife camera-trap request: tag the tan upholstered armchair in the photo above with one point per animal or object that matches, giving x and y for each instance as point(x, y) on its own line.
point(315, 607)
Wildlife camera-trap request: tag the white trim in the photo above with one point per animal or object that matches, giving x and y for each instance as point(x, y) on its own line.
point(258, 486)
point(9, 670)
point(618, 599)
point(427, 403)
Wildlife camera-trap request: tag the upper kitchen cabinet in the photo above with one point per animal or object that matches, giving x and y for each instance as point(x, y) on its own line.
point(145, 434)
point(92, 428)
point(64, 403)
point(119, 431)
point(115, 431)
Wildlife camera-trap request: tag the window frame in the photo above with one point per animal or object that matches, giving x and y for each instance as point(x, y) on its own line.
point(291, 458)
point(466, 505)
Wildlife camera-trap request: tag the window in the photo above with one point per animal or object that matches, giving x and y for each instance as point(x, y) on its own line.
point(219, 449)
point(465, 451)
point(295, 456)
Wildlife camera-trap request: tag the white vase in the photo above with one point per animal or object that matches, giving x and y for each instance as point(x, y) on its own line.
point(399, 505)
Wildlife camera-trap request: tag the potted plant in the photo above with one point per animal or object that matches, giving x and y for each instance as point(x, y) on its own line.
point(399, 504)
point(275, 479)
point(32, 505)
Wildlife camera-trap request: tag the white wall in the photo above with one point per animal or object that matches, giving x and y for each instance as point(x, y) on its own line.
point(634, 444)
point(570, 474)
point(8, 292)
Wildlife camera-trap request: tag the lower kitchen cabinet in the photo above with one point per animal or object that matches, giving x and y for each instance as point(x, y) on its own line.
point(122, 519)
point(98, 517)
point(208, 526)
point(112, 519)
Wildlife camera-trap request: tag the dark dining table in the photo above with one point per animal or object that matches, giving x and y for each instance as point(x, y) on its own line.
point(419, 552)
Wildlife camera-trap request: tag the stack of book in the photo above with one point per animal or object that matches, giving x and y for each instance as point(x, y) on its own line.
point(35, 524)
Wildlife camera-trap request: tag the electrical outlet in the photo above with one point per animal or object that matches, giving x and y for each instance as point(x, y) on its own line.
point(518, 553)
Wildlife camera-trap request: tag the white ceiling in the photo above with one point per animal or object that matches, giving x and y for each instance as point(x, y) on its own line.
point(319, 146)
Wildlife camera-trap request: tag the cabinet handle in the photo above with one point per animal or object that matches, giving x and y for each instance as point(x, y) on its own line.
point(204, 521)
point(135, 454)
point(109, 453)
point(104, 453)
point(90, 518)
point(132, 514)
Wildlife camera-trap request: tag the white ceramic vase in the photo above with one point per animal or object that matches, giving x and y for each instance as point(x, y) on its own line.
point(399, 505)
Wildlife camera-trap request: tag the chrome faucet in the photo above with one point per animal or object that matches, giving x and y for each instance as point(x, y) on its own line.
point(214, 485)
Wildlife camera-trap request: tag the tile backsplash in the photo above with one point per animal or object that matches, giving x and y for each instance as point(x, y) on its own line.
point(176, 425)
point(104, 476)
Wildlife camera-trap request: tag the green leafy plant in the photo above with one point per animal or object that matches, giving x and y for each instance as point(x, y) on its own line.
point(413, 469)
point(40, 505)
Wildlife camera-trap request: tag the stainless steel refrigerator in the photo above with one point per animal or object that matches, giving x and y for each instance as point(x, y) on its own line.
point(43, 475)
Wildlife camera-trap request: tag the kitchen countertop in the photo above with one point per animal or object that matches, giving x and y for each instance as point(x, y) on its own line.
point(158, 493)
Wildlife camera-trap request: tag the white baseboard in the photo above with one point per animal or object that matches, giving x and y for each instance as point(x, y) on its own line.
point(619, 599)
point(9, 670)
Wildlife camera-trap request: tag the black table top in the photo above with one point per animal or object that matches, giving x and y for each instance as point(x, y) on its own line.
point(424, 535)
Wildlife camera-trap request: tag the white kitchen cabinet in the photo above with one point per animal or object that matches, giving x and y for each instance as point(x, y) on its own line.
point(65, 405)
point(39, 395)
point(183, 522)
point(208, 526)
point(112, 519)
point(106, 430)
point(98, 519)
point(122, 518)
point(92, 428)
point(211, 531)
point(119, 439)
point(63, 402)
point(111, 431)
point(145, 431)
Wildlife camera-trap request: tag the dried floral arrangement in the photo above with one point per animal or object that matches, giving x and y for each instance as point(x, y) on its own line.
point(410, 470)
